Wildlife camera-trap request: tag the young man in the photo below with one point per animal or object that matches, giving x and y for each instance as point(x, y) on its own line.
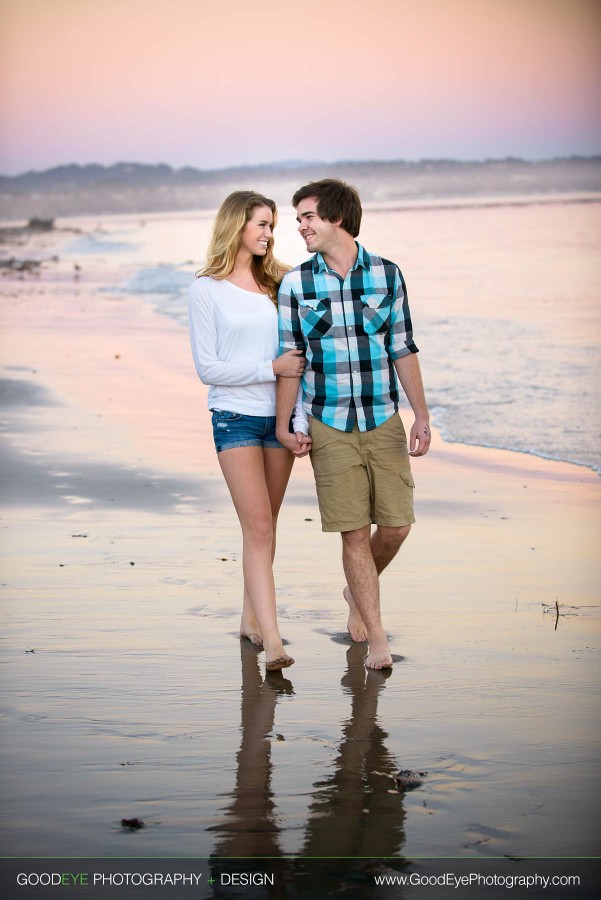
point(347, 310)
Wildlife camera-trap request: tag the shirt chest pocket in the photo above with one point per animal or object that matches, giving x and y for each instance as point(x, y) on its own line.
point(316, 317)
point(376, 313)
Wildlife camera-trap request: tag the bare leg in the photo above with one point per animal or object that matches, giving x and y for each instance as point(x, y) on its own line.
point(244, 470)
point(385, 544)
point(249, 627)
point(278, 465)
point(362, 577)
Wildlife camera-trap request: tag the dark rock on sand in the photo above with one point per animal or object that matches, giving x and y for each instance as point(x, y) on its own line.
point(408, 780)
point(132, 824)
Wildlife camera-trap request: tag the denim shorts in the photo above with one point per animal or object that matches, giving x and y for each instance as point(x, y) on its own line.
point(232, 429)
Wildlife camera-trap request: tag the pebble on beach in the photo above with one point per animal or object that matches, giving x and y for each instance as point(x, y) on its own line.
point(132, 824)
point(408, 780)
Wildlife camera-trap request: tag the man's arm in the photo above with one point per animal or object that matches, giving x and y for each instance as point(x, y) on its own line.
point(410, 376)
point(291, 337)
point(286, 391)
point(407, 366)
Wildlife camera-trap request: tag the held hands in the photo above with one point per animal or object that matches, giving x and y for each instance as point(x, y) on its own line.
point(304, 444)
point(299, 444)
point(290, 364)
point(420, 437)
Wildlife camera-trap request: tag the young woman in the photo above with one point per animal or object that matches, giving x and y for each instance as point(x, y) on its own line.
point(234, 333)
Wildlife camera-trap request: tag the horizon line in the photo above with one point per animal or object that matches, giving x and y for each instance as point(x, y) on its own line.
point(292, 164)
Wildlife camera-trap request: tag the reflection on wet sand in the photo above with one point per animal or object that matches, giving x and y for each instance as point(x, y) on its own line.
point(250, 828)
point(356, 815)
point(357, 811)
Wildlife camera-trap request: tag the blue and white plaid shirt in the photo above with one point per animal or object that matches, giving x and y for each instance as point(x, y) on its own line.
point(351, 332)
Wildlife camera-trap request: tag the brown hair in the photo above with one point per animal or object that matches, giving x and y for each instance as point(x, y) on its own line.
point(230, 221)
point(336, 201)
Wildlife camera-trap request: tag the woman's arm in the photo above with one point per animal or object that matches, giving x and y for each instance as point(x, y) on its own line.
point(299, 416)
point(203, 337)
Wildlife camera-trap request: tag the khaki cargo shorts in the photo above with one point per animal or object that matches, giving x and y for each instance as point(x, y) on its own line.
point(362, 477)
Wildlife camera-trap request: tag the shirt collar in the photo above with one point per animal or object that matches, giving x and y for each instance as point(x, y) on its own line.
point(320, 265)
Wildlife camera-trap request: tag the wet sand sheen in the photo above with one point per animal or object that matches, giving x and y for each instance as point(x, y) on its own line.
point(122, 574)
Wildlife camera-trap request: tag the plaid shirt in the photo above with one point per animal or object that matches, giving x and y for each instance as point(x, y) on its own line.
point(351, 331)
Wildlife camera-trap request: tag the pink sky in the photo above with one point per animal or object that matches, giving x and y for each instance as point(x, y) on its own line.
point(230, 82)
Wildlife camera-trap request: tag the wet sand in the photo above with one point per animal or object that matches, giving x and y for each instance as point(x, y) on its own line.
point(127, 693)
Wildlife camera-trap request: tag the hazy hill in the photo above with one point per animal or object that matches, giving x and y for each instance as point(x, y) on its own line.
point(133, 187)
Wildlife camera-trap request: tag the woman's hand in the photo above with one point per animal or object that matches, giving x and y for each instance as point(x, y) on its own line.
point(290, 364)
point(304, 444)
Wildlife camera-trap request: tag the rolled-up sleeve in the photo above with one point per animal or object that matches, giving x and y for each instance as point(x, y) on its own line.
point(401, 331)
point(290, 332)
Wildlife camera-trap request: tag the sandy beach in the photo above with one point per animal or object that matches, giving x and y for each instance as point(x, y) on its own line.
point(128, 695)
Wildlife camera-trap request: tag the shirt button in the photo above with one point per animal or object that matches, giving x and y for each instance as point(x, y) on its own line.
point(350, 328)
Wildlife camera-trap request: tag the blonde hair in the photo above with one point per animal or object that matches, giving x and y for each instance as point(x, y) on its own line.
point(231, 219)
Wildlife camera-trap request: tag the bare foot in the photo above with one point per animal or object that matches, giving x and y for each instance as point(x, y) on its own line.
point(378, 656)
point(252, 633)
point(355, 626)
point(254, 638)
point(280, 662)
point(276, 657)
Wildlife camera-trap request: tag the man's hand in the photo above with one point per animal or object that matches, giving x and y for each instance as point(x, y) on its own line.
point(299, 444)
point(420, 437)
point(303, 444)
point(407, 368)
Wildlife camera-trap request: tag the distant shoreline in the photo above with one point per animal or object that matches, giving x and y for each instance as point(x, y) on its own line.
point(136, 188)
point(290, 165)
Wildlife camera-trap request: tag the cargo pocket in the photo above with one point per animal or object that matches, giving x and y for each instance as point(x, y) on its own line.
point(408, 479)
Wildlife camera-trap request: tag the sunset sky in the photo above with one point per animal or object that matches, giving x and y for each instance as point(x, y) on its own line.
point(188, 82)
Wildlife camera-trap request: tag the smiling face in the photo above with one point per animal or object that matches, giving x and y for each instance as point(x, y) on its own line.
point(319, 235)
point(257, 232)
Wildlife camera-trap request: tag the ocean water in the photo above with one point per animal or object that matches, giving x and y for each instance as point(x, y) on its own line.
point(505, 300)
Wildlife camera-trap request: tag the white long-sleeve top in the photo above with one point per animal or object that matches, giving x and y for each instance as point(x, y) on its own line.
point(234, 336)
